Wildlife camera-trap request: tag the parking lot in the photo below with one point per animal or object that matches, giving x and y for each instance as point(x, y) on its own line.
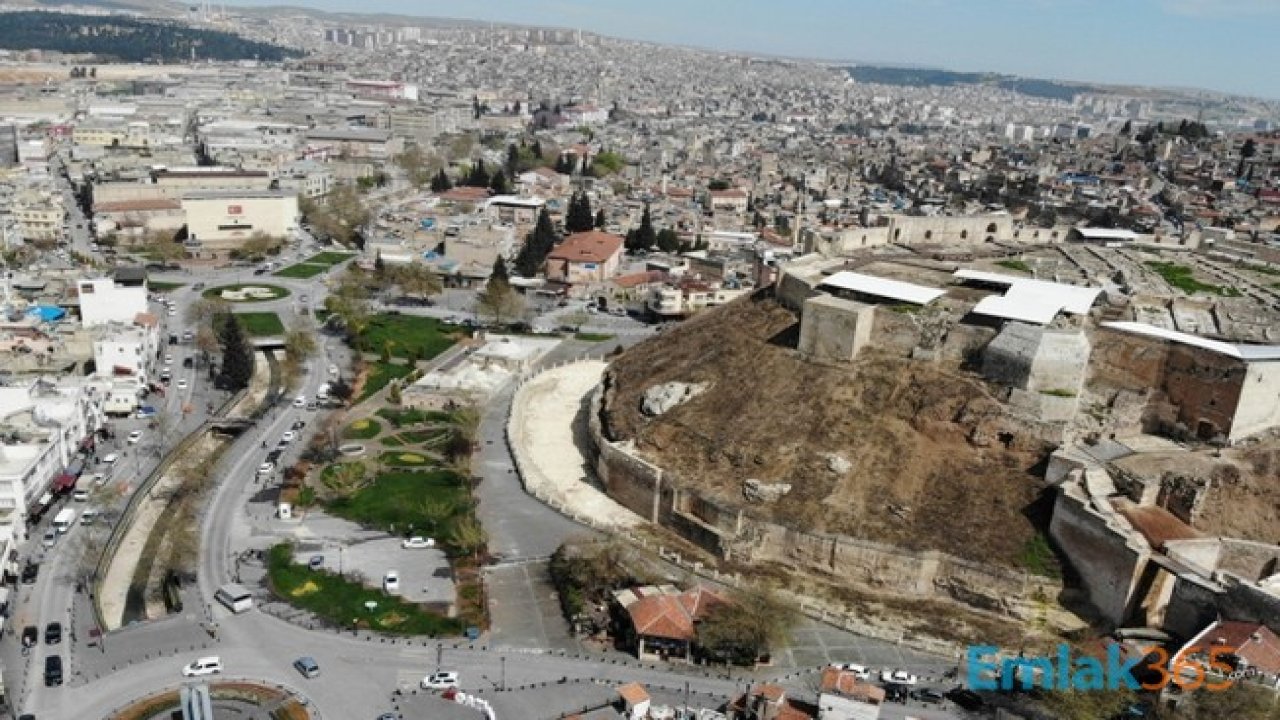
point(425, 576)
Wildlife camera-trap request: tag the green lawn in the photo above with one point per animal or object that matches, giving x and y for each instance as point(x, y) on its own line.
point(159, 286)
point(407, 497)
point(379, 375)
point(402, 333)
point(1180, 276)
point(277, 292)
point(362, 430)
point(301, 271)
point(261, 324)
point(339, 600)
point(400, 418)
point(592, 337)
point(404, 458)
point(415, 437)
point(329, 258)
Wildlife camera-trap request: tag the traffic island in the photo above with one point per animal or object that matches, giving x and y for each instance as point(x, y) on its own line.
point(247, 293)
point(230, 698)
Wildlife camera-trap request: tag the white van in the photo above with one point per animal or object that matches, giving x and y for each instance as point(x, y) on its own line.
point(64, 520)
point(203, 666)
point(236, 598)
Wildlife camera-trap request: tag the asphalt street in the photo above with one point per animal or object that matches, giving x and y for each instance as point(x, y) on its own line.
point(528, 644)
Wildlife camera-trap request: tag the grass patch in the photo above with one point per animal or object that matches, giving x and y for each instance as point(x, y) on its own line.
point(1037, 558)
point(338, 600)
point(1263, 269)
point(160, 286)
point(302, 271)
point(362, 430)
point(1179, 276)
point(380, 374)
point(404, 459)
point(277, 292)
point(1059, 392)
point(261, 323)
point(1018, 265)
point(329, 258)
point(400, 418)
point(405, 334)
point(415, 437)
point(424, 499)
point(592, 337)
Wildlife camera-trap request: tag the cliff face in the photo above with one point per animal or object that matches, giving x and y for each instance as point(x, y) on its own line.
point(885, 449)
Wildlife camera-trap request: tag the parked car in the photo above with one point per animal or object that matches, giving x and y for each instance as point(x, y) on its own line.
point(417, 542)
point(53, 633)
point(308, 666)
point(928, 695)
point(53, 670)
point(859, 671)
point(266, 468)
point(30, 636)
point(287, 437)
point(50, 538)
point(316, 562)
point(203, 666)
point(440, 680)
point(898, 677)
point(110, 458)
point(966, 699)
point(29, 573)
point(391, 582)
point(300, 401)
point(134, 437)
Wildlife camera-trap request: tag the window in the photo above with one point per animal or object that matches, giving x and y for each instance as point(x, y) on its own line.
point(991, 228)
point(964, 234)
point(928, 234)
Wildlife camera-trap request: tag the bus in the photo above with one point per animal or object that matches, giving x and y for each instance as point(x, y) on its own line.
point(63, 521)
point(236, 598)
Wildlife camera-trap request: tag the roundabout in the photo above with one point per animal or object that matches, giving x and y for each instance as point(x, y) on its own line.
point(229, 697)
point(247, 292)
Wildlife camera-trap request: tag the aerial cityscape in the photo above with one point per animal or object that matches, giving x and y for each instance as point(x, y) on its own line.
point(559, 361)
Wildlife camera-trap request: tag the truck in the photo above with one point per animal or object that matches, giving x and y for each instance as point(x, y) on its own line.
point(63, 521)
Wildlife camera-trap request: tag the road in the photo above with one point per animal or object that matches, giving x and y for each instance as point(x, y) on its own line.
point(137, 660)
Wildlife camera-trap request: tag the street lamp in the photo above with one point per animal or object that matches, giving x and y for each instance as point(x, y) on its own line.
point(503, 684)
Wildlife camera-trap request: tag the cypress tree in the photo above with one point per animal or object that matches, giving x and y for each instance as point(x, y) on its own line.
point(237, 357)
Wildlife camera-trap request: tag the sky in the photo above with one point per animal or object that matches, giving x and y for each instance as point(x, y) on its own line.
point(1227, 45)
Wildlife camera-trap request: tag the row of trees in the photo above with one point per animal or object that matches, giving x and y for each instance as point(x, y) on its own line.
point(339, 216)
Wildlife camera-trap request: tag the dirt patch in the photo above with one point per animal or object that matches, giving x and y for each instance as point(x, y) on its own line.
point(933, 462)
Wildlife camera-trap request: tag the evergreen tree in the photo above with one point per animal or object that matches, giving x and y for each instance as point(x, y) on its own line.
point(579, 218)
point(479, 176)
point(600, 221)
point(500, 270)
point(237, 358)
point(537, 246)
point(1128, 127)
point(667, 240)
point(379, 266)
point(513, 160)
point(498, 183)
point(643, 237)
point(440, 182)
point(537, 151)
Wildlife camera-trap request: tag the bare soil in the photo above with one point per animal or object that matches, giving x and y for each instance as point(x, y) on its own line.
point(935, 463)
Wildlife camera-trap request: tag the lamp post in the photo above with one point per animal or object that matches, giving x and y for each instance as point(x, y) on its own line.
point(503, 661)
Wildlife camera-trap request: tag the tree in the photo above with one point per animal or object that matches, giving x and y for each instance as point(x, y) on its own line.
point(237, 357)
point(499, 301)
point(1128, 127)
point(259, 245)
point(479, 176)
point(579, 217)
point(600, 220)
point(299, 344)
point(498, 183)
point(440, 182)
point(643, 237)
point(513, 160)
point(417, 280)
point(204, 310)
point(467, 535)
point(500, 270)
point(340, 389)
point(393, 393)
point(746, 627)
point(537, 245)
point(1242, 700)
point(667, 240)
point(345, 479)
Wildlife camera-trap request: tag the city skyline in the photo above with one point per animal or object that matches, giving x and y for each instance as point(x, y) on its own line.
point(1160, 43)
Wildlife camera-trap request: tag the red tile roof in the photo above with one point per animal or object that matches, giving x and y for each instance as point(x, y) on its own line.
point(641, 278)
point(137, 205)
point(633, 693)
point(844, 682)
point(465, 194)
point(672, 616)
point(592, 246)
point(1254, 643)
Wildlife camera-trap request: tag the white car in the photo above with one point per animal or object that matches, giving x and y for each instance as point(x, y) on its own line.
point(300, 401)
point(266, 468)
point(417, 542)
point(182, 383)
point(110, 458)
point(134, 437)
point(203, 666)
point(391, 582)
point(859, 671)
point(333, 369)
point(173, 312)
point(168, 360)
point(440, 680)
point(898, 677)
point(287, 437)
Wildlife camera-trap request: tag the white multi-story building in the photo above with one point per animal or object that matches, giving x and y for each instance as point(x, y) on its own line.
point(103, 301)
point(125, 352)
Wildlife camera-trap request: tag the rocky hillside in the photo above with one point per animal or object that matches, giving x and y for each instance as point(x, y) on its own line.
point(890, 450)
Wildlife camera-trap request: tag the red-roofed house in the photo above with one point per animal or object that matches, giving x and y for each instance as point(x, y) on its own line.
point(660, 623)
point(1253, 648)
point(842, 696)
point(584, 258)
point(734, 200)
point(767, 701)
